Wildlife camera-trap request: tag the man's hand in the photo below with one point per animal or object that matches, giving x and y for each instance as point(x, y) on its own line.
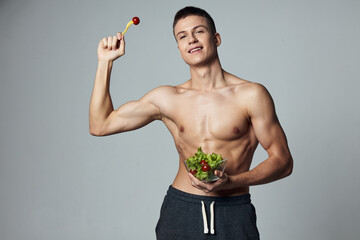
point(220, 184)
point(111, 48)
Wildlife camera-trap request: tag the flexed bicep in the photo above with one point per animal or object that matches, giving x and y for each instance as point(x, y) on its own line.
point(130, 116)
point(135, 114)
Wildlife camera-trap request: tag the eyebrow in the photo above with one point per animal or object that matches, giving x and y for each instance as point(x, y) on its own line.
point(198, 26)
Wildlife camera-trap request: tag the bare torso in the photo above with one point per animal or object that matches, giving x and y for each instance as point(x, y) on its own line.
point(214, 110)
point(217, 121)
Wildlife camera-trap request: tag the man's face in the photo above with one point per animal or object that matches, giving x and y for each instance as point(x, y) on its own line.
point(196, 43)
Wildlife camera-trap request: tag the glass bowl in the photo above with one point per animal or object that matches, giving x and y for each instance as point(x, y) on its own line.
point(208, 176)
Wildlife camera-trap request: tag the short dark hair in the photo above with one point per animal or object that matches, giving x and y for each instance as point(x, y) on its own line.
point(188, 11)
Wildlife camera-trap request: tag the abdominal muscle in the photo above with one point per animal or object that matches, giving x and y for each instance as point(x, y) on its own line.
point(239, 153)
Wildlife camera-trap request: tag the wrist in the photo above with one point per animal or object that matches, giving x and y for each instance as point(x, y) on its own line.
point(105, 63)
point(235, 181)
point(230, 183)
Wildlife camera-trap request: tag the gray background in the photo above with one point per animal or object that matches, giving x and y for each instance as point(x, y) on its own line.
point(59, 182)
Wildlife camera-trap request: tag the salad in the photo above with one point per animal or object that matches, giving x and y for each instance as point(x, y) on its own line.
point(203, 165)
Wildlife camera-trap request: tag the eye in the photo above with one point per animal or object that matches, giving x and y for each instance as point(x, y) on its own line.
point(182, 36)
point(199, 31)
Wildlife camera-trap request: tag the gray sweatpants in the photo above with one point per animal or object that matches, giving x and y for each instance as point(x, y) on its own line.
point(185, 216)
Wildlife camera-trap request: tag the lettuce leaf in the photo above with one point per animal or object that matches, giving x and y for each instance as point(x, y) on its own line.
point(214, 160)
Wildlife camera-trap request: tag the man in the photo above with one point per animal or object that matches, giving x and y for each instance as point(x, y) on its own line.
point(216, 110)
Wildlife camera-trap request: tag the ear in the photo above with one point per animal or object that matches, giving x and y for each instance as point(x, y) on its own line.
point(217, 39)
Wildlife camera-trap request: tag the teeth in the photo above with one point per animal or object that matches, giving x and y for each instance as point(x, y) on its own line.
point(195, 49)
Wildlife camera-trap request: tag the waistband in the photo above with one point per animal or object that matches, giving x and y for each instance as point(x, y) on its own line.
point(193, 198)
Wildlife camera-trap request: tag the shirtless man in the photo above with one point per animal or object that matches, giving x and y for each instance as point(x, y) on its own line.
point(215, 110)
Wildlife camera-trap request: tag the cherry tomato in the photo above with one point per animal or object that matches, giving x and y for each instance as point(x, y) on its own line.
point(193, 172)
point(136, 20)
point(205, 167)
point(202, 162)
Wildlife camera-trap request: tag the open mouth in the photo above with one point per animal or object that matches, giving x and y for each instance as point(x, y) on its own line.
point(195, 49)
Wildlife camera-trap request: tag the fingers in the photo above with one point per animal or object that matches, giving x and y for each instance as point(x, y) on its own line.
point(212, 186)
point(110, 40)
point(111, 48)
point(119, 35)
point(104, 43)
point(113, 42)
point(205, 187)
point(197, 183)
point(121, 42)
point(218, 173)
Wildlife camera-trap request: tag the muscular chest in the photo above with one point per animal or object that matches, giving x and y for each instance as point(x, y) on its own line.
point(206, 117)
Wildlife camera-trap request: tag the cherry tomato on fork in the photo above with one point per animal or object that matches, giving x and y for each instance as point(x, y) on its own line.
point(136, 20)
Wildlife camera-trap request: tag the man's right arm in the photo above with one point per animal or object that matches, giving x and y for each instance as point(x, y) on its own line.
point(103, 120)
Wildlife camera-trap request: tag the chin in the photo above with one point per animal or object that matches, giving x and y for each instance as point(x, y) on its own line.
point(200, 63)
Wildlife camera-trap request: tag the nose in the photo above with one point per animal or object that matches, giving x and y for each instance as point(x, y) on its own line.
point(192, 39)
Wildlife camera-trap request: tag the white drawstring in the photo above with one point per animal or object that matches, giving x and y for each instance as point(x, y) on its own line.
point(206, 229)
point(212, 230)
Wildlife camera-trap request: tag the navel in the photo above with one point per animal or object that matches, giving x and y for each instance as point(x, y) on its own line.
point(236, 130)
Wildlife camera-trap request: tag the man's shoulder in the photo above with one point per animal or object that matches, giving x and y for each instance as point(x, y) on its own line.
point(254, 88)
point(161, 93)
point(169, 89)
point(245, 87)
point(160, 89)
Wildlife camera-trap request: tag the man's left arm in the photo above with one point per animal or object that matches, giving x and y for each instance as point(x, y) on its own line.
point(271, 136)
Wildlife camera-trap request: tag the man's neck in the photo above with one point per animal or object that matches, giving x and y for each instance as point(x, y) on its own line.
point(208, 77)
